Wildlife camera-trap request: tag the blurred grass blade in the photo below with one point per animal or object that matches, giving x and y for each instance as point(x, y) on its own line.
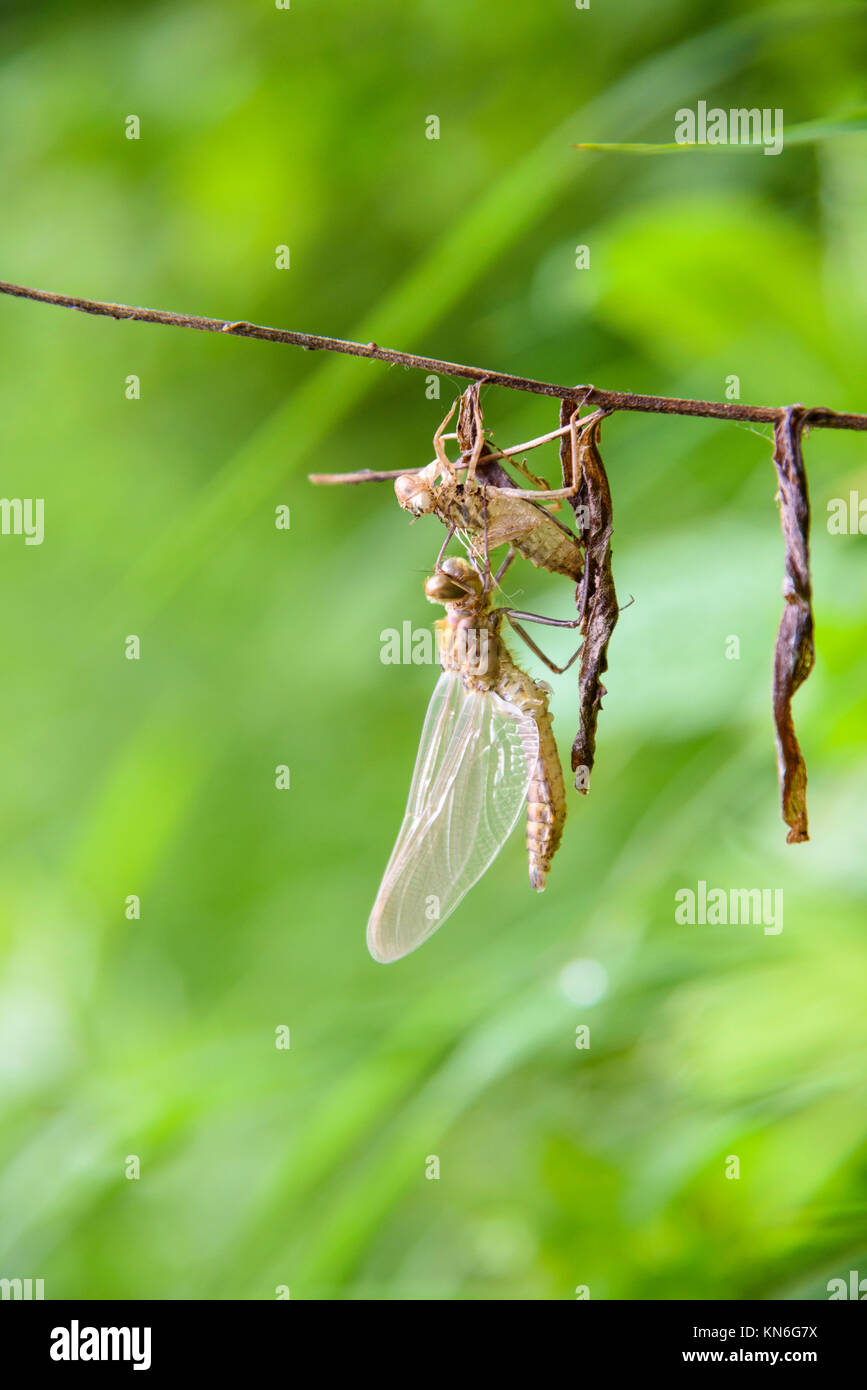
point(808, 132)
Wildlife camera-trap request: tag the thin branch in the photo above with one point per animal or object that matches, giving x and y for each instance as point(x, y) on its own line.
point(816, 416)
point(370, 475)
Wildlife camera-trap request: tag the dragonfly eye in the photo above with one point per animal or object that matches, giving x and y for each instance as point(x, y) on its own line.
point(454, 580)
point(440, 589)
point(413, 494)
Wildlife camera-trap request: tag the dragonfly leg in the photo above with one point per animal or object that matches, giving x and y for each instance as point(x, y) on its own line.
point(534, 647)
point(504, 566)
point(538, 618)
point(440, 449)
point(486, 576)
point(577, 427)
point(444, 548)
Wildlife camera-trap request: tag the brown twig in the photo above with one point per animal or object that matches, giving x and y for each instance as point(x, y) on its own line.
point(818, 416)
point(372, 475)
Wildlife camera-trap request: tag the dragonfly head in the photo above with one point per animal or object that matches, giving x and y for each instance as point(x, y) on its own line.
point(414, 493)
point(455, 581)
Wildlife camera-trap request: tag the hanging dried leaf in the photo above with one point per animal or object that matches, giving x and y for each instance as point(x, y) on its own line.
point(469, 417)
point(794, 655)
point(469, 413)
point(595, 595)
point(568, 406)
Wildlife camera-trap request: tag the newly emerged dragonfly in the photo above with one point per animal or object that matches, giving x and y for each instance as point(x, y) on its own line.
point(487, 748)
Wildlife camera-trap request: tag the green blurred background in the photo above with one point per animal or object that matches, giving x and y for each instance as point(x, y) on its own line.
point(155, 1037)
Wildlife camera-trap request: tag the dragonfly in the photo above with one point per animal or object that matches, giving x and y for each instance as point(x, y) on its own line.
point(487, 750)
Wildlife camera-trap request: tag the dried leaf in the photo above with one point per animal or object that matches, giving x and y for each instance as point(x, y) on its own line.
point(795, 654)
point(469, 416)
point(489, 472)
point(596, 597)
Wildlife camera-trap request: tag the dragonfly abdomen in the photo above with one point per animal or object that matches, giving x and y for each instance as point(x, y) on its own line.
point(546, 806)
point(546, 794)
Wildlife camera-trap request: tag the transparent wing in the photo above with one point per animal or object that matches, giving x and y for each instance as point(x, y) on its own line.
point(469, 785)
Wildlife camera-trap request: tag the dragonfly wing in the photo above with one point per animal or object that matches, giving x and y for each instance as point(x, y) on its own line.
point(470, 782)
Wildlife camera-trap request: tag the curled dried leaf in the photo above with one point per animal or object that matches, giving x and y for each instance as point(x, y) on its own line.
point(469, 417)
point(596, 597)
point(794, 654)
point(488, 471)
